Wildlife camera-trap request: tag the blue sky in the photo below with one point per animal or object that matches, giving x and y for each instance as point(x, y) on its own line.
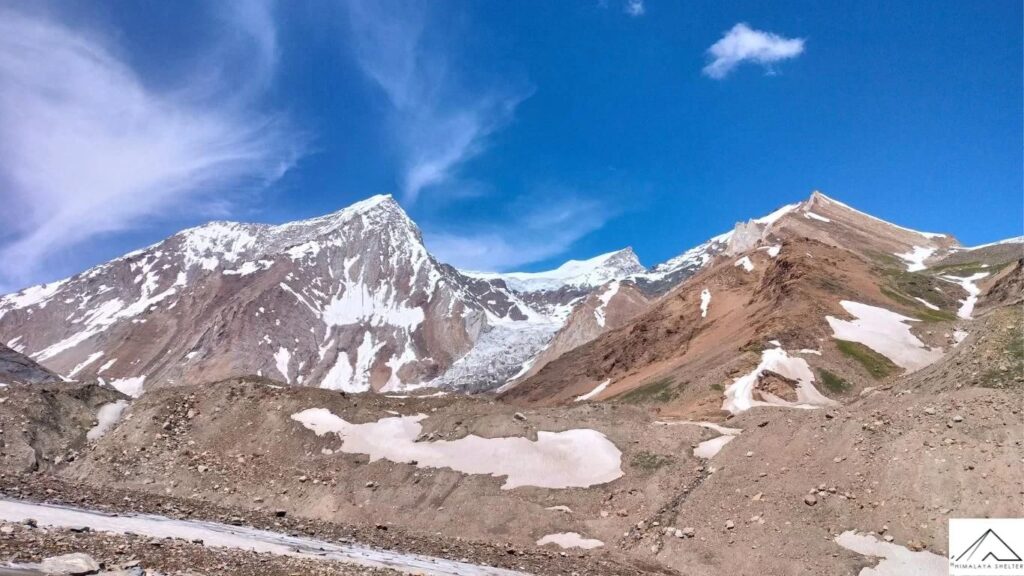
point(517, 134)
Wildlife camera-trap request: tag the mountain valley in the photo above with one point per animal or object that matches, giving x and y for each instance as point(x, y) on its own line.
point(765, 402)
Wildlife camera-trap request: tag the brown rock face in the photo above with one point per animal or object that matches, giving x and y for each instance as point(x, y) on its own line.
point(772, 283)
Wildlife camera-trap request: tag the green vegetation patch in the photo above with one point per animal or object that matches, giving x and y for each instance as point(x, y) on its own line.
point(833, 382)
point(904, 287)
point(649, 461)
point(877, 365)
point(660, 390)
point(969, 268)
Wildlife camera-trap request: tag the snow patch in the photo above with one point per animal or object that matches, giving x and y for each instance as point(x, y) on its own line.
point(739, 396)
point(705, 300)
point(926, 303)
point(107, 416)
point(745, 263)
point(574, 458)
point(885, 332)
point(597, 390)
point(606, 296)
point(916, 257)
point(812, 216)
point(92, 358)
point(966, 310)
point(895, 559)
point(128, 386)
point(282, 357)
point(570, 540)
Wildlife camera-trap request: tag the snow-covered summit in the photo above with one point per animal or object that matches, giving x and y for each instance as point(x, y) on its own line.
point(588, 273)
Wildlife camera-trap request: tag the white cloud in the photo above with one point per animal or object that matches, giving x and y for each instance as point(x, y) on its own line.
point(743, 43)
point(438, 123)
point(546, 229)
point(635, 7)
point(87, 148)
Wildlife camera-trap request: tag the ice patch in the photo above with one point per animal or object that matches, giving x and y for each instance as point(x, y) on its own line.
point(569, 459)
point(916, 257)
point(570, 540)
point(107, 416)
point(959, 336)
point(705, 300)
point(745, 263)
point(217, 535)
point(812, 216)
point(739, 396)
point(885, 332)
point(597, 390)
point(895, 559)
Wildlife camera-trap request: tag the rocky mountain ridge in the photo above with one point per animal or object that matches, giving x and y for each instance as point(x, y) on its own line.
point(354, 301)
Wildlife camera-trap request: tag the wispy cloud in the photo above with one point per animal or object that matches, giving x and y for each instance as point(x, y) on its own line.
point(539, 227)
point(87, 148)
point(744, 44)
point(635, 8)
point(438, 122)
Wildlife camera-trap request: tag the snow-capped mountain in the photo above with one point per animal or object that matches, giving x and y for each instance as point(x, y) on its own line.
point(554, 293)
point(354, 301)
point(349, 301)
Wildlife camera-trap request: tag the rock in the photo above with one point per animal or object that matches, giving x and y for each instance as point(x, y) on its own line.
point(280, 513)
point(69, 565)
point(519, 416)
point(888, 538)
point(689, 532)
point(929, 411)
point(958, 418)
point(680, 534)
point(729, 524)
point(810, 500)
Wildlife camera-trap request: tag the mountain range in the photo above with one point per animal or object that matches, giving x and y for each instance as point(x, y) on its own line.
point(354, 301)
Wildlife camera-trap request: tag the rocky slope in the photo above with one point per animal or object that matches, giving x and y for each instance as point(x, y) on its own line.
point(783, 315)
